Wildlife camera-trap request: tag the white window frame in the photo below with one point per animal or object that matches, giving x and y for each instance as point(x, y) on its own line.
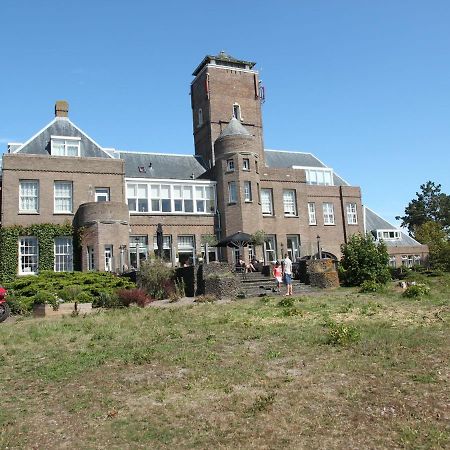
point(294, 250)
point(352, 215)
point(230, 165)
point(246, 164)
point(289, 204)
point(90, 257)
point(28, 255)
point(388, 235)
point(63, 251)
point(270, 248)
point(167, 246)
point(312, 220)
point(392, 262)
point(266, 202)
point(248, 198)
point(66, 141)
point(232, 192)
point(109, 257)
point(102, 192)
point(27, 199)
point(328, 213)
point(320, 176)
point(61, 197)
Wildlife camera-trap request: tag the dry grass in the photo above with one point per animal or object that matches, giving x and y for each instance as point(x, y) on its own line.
point(238, 375)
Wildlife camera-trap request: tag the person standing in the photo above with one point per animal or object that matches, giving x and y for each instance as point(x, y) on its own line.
point(287, 274)
point(278, 275)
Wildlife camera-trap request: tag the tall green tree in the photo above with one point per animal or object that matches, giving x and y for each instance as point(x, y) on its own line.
point(430, 205)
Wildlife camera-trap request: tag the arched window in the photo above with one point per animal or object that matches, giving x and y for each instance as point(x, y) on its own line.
point(200, 117)
point(237, 111)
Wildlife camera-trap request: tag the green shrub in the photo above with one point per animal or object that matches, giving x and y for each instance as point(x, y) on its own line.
point(286, 302)
point(291, 311)
point(371, 286)
point(19, 305)
point(106, 299)
point(155, 277)
point(47, 297)
point(84, 297)
point(71, 293)
point(363, 259)
point(416, 290)
point(341, 334)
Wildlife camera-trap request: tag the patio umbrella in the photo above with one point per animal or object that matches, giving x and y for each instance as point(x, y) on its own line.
point(236, 240)
point(159, 240)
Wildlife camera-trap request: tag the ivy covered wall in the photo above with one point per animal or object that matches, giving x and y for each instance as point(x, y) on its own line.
point(46, 234)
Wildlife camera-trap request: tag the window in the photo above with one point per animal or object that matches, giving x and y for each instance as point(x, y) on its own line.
point(204, 199)
point(266, 202)
point(186, 250)
point(28, 255)
point(247, 191)
point(392, 262)
point(200, 117)
point(259, 193)
point(237, 111)
point(63, 196)
point(256, 167)
point(293, 246)
point(270, 248)
point(290, 207)
point(90, 257)
point(29, 196)
point(230, 165)
point(312, 213)
point(65, 146)
point(410, 260)
point(167, 247)
point(109, 261)
point(232, 192)
point(137, 197)
point(318, 175)
point(211, 254)
point(388, 235)
point(246, 164)
point(63, 254)
point(328, 214)
point(102, 194)
point(160, 198)
point(138, 246)
point(352, 217)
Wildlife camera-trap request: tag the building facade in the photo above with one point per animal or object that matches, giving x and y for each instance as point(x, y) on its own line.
point(231, 183)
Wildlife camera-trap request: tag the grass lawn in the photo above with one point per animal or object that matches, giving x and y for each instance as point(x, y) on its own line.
point(334, 370)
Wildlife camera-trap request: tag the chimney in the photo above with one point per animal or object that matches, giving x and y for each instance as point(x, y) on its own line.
point(61, 108)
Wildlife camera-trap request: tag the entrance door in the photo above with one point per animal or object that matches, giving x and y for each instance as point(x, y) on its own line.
point(108, 258)
point(293, 246)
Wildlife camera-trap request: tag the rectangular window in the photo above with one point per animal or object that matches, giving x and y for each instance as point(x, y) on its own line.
point(28, 255)
point(312, 213)
point(186, 250)
point(270, 248)
point(63, 196)
point(137, 197)
point(102, 194)
point(328, 214)
point(293, 246)
point(90, 257)
point(289, 203)
point(392, 262)
point(230, 165)
point(247, 191)
point(232, 192)
point(138, 246)
point(322, 177)
point(63, 254)
point(109, 262)
point(29, 196)
point(266, 202)
point(167, 247)
point(246, 164)
point(65, 146)
point(352, 217)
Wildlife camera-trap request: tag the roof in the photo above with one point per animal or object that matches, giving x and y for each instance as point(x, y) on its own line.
point(156, 165)
point(375, 222)
point(40, 143)
point(225, 59)
point(234, 128)
point(281, 159)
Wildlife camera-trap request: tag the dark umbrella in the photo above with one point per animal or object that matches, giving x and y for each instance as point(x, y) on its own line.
point(236, 240)
point(159, 241)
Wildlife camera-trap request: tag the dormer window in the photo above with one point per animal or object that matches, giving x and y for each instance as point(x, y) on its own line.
point(237, 111)
point(65, 146)
point(388, 235)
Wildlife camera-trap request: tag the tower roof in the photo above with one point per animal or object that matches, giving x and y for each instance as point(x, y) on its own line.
point(223, 59)
point(234, 128)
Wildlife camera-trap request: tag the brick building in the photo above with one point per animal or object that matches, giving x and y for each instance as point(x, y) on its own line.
point(230, 184)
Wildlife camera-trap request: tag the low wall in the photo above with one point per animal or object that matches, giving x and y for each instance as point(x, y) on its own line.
point(322, 273)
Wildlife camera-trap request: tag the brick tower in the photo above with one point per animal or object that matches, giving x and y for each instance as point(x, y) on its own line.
point(224, 87)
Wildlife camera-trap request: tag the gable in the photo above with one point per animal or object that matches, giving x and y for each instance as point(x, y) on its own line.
point(40, 143)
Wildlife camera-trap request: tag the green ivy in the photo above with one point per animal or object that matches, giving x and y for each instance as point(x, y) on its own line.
point(46, 234)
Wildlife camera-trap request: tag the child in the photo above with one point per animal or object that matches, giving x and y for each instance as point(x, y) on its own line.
point(277, 274)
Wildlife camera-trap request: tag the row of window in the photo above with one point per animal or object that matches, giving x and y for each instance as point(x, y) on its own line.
point(245, 165)
point(407, 261)
point(62, 196)
point(168, 198)
point(236, 114)
point(290, 204)
point(29, 255)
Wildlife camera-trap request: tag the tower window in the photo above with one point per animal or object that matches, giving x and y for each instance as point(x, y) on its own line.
point(237, 112)
point(200, 117)
point(230, 165)
point(246, 164)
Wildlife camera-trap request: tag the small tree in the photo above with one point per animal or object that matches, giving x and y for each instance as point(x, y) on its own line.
point(155, 278)
point(258, 238)
point(363, 259)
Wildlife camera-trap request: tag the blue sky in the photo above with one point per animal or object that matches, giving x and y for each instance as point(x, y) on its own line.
point(363, 85)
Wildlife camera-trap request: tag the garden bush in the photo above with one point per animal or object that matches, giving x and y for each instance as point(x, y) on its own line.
point(416, 290)
point(19, 305)
point(106, 299)
point(341, 334)
point(47, 297)
point(156, 278)
point(129, 296)
point(369, 286)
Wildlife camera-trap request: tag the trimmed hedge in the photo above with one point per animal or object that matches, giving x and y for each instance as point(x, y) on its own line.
point(46, 234)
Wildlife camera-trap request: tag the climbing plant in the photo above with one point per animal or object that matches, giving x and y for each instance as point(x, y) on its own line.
point(46, 234)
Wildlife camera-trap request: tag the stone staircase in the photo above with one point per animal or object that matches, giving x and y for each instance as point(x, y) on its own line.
point(256, 285)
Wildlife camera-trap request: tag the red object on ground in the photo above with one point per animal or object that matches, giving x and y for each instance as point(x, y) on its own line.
point(2, 293)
